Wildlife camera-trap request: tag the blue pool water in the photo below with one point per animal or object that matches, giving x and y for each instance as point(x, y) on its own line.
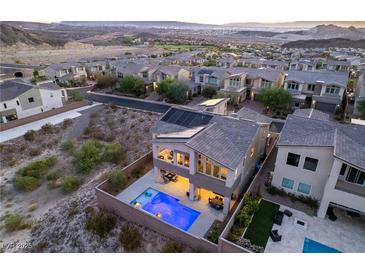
point(311, 246)
point(168, 207)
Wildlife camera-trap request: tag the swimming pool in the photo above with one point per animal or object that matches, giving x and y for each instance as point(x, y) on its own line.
point(311, 246)
point(167, 208)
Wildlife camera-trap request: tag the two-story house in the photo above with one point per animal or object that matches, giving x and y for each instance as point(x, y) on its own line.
point(323, 90)
point(213, 154)
point(210, 77)
point(171, 72)
point(303, 65)
point(323, 160)
point(65, 72)
point(20, 99)
point(234, 88)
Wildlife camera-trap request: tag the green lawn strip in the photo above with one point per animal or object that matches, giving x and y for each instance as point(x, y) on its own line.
point(259, 229)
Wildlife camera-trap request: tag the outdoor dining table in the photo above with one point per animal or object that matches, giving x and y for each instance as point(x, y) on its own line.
point(170, 176)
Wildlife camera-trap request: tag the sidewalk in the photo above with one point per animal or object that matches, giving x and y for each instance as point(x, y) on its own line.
point(36, 125)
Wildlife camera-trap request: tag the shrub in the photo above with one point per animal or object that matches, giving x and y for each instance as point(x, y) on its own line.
point(53, 175)
point(34, 152)
point(88, 131)
point(113, 153)
point(209, 92)
point(69, 184)
point(214, 233)
point(172, 247)
point(136, 173)
point(101, 223)
point(26, 183)
point(77, 96)
point(104, 81)
point(14, 222)
point(47, 128)
point(130, 237)
point(29, 135)
point(66, 123)
point(89, 155)
point(117, 180)
point(67, 145)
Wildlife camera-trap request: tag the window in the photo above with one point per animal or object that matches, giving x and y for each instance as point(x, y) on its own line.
point(293, 159)
point(333, 90)
point(292, 66)
point(234, 82)
point(63, 93)
point(252, 152)
point(201, 79)
point(355, 176)
point(343, 169)
point(216, 171)
point(223, 173)
point(208, 167)
point(17, 103)
point(311, 87)
point(310, 164)
point(310, 67)
point(51, 95)
point(293, 85)
point(30, 99)
point(145, 74)
point(182, 159)
point(211, 168)
point(200, 166)
point(287, 183)
point(186, 160)
point(304, 188)
point(265, 83)
point(212, 80)
point(5, 106)
point(179, 158)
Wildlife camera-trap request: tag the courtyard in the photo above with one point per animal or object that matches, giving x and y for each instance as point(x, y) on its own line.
point(178, 190)
point(346, 234)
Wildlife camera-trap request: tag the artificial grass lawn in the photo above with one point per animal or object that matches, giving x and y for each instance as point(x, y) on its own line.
point(259, 229)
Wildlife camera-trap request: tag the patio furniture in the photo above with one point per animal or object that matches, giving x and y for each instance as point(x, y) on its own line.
point(171, 176)
point(288, 213)
point(216, 203)
point(275, 236)
point(278, 219)
point(331, 214)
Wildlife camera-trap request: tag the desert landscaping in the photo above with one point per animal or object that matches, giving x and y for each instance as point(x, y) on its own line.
point(48, 201)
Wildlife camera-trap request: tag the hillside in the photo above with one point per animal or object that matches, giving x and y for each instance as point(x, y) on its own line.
point(10, 35)
point(326, 43)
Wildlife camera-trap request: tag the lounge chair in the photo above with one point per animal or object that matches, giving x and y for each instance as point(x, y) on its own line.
point(275, 236)
point(278, 219)
point(288, 213)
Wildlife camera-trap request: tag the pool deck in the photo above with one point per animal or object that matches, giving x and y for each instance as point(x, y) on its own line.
point(207, 214)
point(346, 234)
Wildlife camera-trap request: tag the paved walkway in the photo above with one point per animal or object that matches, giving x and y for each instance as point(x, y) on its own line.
point(346, 234)
point(56, 119)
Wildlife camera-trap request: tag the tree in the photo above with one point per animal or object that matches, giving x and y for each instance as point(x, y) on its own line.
point(133, 85)
point(361, 108)
point(35, 74)
point(178, 92)
point(104, 81)
point(275, 98)
point(164, 85)
point(209, 92)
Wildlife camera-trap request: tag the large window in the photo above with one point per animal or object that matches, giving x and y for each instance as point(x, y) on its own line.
point(287, 183)
point(212, 80)
point(265, 83)
point(30, 99)
point(293, 159)
point(211, 168)
point(311, 87)
point(333, 90)
point(304, 188)
point(182, 159)
point(165, 154)
point(310, 164)
point(201, 79)
point(355, 176)
point(293, 85)
point(234, 82)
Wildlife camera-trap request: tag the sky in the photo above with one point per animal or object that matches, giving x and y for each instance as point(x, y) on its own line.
point(199, 11)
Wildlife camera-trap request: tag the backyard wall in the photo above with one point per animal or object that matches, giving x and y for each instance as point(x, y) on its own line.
point(128, 212)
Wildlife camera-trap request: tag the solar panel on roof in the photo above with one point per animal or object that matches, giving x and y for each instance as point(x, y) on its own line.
point(186, 118)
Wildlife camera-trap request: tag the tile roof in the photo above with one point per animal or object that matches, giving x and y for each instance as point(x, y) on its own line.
point(347, 141)
point(311, 113)
point(312, 77)
point(12, 89)
point(249, 114)
point(254, 73)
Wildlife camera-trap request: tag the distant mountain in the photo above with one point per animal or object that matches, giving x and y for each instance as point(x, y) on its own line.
point(297, 24)
point(326, 43)
point(141, 24)
point(318, 32)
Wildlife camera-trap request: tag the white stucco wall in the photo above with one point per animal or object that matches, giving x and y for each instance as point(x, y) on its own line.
point(317, 179)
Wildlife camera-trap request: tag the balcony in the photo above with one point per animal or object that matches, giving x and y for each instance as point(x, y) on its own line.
point(350, 188)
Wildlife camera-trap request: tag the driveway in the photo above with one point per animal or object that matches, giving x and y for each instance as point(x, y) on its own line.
point(123, 101)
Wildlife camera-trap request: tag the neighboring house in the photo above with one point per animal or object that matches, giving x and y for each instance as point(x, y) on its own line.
point(335, 65)
point(95, 68)
point(303, 65)
point(359, 92)
point(65, 72)
point(20, 99)
point(218, 106)
point(263, 63)
point(171, 72)
point(323, 160)
point(257, 79)
point(323, 90)
point(210, 77)
point(234, 88)
point(214, 155)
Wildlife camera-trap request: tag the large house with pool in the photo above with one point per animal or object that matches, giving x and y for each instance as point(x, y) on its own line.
point(322, 159)
point(210, 157)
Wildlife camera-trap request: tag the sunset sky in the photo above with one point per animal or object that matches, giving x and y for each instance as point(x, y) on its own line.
point(200, 11)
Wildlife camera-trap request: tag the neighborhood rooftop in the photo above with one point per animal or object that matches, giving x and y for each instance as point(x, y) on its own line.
point(312, 77)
